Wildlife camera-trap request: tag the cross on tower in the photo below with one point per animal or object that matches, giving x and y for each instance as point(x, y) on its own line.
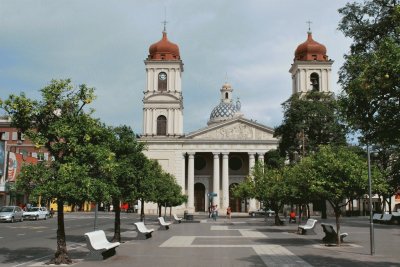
point(309, 25)
point(165, 20)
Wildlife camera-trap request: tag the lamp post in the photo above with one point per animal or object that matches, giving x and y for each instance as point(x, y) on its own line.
point(371, 229)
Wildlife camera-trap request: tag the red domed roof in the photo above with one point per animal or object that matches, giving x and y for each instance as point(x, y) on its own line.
point(311, 50)
point(164, 50)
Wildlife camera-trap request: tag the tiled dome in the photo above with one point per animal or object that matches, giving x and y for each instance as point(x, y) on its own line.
point(223, 111)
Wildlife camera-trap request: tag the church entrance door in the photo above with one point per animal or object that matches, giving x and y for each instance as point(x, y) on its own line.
point(234, 202)
point(199, 197)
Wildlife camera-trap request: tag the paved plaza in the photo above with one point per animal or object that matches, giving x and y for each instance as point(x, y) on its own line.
point(243, 241)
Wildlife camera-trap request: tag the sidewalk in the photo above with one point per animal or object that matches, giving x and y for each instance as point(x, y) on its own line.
point(252, 242)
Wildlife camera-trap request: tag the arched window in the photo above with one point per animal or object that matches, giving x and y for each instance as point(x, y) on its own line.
point(162, 81)
point(161, 125)
point(314, 79)
point(226, 95)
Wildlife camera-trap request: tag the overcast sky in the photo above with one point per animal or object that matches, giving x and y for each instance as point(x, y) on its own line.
point(104, 43)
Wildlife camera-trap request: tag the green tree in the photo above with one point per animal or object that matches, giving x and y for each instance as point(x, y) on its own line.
point(146, 181)
point(61, 124)
point(341, 175)
point(128, 153)
point(301, 183)
point(370, 79)
point(270, 187)
point(168, 192)
point(309, 120)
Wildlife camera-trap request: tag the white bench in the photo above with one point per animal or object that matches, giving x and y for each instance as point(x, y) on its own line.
point(176, 219)
point(163, 225)
point(386, 218)
point(307, 228)
point(143, 231)
point(330, 234)
point(377, 217)
point(100, 248)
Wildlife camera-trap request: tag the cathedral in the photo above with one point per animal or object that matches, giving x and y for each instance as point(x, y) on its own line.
point(210, 161)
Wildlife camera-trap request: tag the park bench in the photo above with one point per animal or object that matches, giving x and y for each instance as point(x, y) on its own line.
point(308, 228)
point(143, 231)
point(163, 225)
point(386, 218)
point(176, 219)
point(377, 217)
point(330, 234)
point(100, 248)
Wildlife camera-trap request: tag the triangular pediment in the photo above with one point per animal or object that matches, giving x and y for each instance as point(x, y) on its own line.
point(234, 129)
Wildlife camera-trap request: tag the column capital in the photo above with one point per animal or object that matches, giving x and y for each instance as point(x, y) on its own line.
point(191, 153)
point(261, 153)
point(252, 154)
point(216, 154)
point(225, 155)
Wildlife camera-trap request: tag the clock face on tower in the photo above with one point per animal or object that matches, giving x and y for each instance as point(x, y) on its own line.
point(162, 76)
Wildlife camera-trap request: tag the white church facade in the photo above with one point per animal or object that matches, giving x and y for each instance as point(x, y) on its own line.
point(213, 159)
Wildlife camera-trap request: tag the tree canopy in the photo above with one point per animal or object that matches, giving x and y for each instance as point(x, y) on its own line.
point(309, 120)
point(370, 75)
point(80, 161)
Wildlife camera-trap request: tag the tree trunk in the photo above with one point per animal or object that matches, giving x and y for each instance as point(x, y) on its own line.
point(337, 215)
point(117, 221)
point(61, 255)
point(308, 211)
point(159, 210)
point(142, 210)
point(323, 210)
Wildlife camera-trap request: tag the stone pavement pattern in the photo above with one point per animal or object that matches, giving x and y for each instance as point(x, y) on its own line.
point(247, 242)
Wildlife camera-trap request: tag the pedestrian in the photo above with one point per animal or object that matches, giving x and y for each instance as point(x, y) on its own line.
point(228, 213)
point(292, 217)
point(214, 213)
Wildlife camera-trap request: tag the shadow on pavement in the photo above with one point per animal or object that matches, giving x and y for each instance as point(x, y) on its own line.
point(327, 261)
point(25, 254)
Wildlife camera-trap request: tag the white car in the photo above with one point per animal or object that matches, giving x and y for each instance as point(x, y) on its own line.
point(36, 213)
point(11, 214)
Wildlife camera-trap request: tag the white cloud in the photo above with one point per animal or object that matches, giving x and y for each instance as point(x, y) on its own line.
point(103, 44)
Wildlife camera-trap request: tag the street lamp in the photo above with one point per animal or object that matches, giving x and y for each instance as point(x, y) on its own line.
point(371, 229)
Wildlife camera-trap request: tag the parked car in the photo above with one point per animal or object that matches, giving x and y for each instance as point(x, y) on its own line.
point(36, 213)
point(11, 214)
point(262, 212)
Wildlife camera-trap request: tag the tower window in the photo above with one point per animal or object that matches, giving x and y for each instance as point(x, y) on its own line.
point(314, 79)
point(226, 95)
point(161, 125)
point(162, 81)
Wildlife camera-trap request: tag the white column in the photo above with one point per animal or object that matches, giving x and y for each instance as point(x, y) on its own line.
point(251, 166)
point(191, 182)
point(155, 80)
point(261, 157)
point(175, 121)
point(169, 121)
point(183, 180)
point(144, 121)
point(225, 181)
point(154, 122)
point(216, 178)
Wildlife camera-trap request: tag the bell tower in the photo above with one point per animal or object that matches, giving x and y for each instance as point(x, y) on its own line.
point(311, 68)
point(163, 101)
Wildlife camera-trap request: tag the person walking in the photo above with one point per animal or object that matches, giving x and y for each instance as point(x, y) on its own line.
point(214, 213)
point(228, 213)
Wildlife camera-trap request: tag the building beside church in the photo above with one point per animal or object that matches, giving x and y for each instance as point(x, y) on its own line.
point(215, 158)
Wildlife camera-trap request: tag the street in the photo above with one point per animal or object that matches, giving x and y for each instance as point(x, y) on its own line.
point(26, 241)
point(243, 241)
